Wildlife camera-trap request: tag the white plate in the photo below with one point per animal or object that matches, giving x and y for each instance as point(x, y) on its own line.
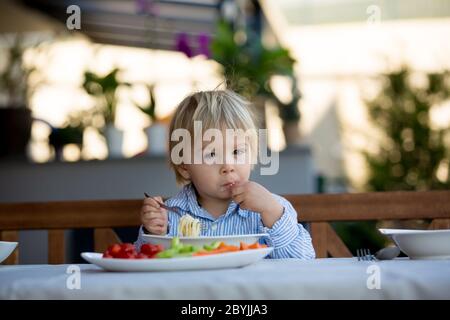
point(233, 240)
point(421, 244)
point(6, 248)
point(215, 261)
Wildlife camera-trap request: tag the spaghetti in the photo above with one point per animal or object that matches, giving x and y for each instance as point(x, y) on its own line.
point(189, 226)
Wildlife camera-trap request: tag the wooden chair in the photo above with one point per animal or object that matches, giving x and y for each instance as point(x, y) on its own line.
point(59, 216)
point(318, 210)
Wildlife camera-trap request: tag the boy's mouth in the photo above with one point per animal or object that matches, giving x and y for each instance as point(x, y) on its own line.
point(229, 184)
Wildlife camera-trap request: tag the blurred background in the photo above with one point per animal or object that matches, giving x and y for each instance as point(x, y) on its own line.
point(354, 93)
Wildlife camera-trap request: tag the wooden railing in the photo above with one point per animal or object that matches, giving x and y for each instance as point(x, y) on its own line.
point(318, 210)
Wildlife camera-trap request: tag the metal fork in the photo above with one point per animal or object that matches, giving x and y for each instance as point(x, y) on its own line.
point(364, 255)
point(176, 210)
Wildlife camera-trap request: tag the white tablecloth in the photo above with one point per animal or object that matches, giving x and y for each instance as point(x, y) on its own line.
point(268, 279)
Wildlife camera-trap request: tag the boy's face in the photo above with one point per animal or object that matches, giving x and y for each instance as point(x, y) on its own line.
point(222, 164)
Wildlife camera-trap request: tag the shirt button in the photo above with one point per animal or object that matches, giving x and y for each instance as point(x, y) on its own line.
point(214, 227)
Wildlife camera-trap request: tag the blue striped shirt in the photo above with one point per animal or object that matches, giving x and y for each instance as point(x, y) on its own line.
point(289, 238)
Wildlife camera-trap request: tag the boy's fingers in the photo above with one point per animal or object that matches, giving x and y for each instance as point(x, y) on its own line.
point(160, 225)
point(157, 218)
point(163, 212)
point(154, 214)
point(157, 229)
point(156, 222)
point(157, 200)
point(160, 231)
point(147, 209)
point(237, 190)
point(238, 198)
point(151, 202)
point(147, 201)
point(151, 217)
point(154, 203)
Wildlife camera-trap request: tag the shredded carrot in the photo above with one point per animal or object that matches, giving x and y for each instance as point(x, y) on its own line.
point(257, 245)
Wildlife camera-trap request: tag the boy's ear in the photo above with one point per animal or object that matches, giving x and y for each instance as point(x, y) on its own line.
point(182, 170)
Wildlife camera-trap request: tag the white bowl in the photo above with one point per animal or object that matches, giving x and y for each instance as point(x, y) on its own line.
point(234, 240)
point(6, 248)
point(421, 244)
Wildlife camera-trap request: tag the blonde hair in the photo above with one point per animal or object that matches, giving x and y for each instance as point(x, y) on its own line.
point(215, 109)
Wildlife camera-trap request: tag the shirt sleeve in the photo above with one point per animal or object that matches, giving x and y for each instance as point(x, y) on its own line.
point(288, 237)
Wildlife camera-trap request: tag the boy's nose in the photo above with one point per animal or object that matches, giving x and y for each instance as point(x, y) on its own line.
point(226, 168)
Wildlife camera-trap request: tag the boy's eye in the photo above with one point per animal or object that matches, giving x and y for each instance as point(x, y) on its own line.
point(238, 152)
point(211, 154)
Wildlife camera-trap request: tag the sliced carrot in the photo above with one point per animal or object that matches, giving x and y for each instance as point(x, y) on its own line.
point(257, 245)
point(254, 246)
point(217, 251)
point(228, 248)
point(221, 245)
point(244, 246)
point(232, 248)
point(201, 253)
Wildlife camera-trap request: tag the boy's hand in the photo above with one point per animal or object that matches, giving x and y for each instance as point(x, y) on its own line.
point(153, 217)
point(253, 196)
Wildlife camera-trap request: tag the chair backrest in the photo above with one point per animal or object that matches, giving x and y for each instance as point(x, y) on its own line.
point(318, 210)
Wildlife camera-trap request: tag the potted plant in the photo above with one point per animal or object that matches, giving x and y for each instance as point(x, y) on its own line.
point(157, 131)
point(68, 134)
point(15, 116)
point(104, 89)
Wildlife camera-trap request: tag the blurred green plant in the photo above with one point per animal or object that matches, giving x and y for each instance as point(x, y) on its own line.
point(14, 87)
point(19, 79)
point(412, 155)
point(249, 65)
point(150, 108)
point(104, 89)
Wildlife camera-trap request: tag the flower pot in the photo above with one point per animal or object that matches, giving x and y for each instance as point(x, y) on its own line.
point(15, 131)
point(60, 137)
point(157, 139)
point(114, 141)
